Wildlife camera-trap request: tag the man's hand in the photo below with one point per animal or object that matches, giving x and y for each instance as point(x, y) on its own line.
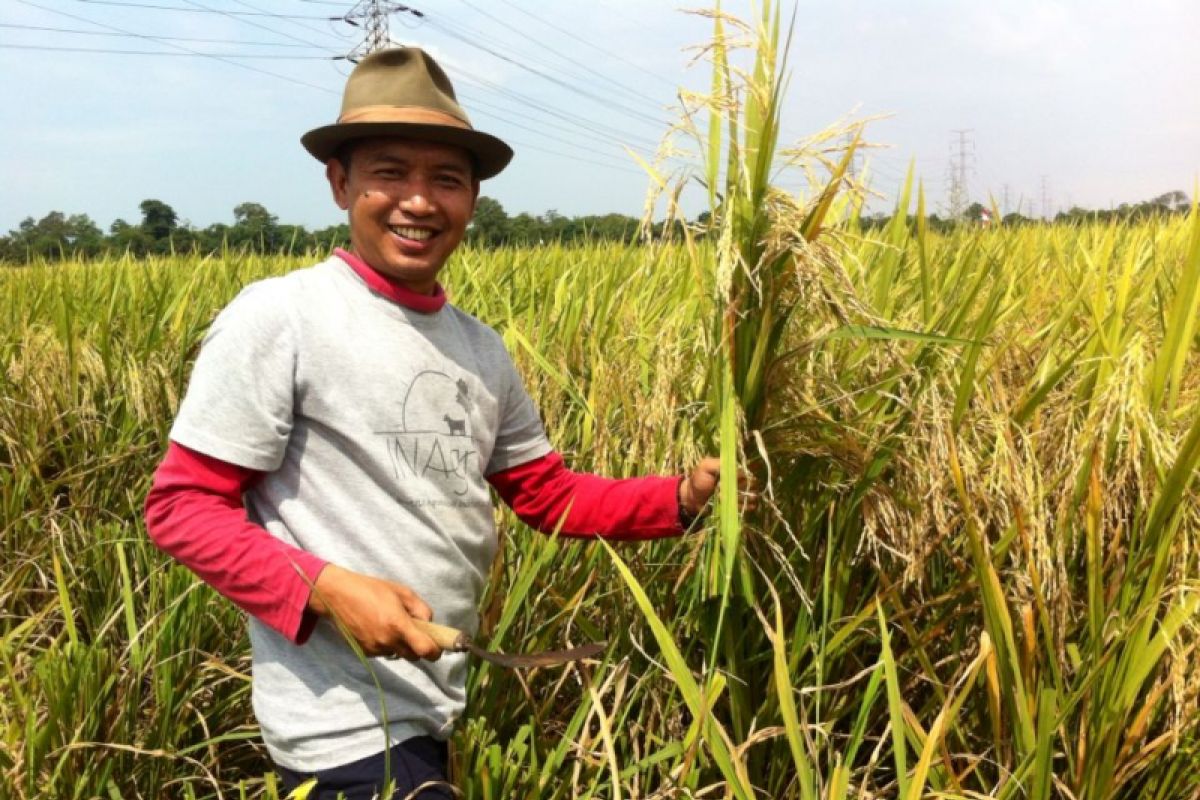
point(378, 614)
point(699, 486)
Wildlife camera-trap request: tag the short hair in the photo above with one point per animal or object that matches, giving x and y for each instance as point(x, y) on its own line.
point(345, 153)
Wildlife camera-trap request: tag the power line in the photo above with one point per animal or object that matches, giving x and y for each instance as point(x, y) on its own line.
point(127, 35)
point(226, 57)
point(468, 36)
point(327, 31)
point(572, 157)
point(528, 102)
point(222, 59)
point(449, 30)
point(211, 11)
point(581, 40)
point(237, 18)
point(60, 49)
point(566, 142)
point(622, 87)
point(498, 112)
point(374, 16)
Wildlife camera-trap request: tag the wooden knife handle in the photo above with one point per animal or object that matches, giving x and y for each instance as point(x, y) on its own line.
point(448, 638)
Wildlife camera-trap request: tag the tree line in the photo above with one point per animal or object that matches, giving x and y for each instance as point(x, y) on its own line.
point(1174, 202)
point(57, 236)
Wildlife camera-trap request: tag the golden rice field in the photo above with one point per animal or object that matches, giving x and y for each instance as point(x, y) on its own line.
point(973, 573)
point(977, 576)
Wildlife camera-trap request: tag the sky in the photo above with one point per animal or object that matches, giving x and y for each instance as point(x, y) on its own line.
point(1081, 103)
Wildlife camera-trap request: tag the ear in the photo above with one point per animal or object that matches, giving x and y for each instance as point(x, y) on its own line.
point(338, 183)
point(474, 194)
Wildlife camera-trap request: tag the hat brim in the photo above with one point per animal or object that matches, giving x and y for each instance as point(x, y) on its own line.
point(491, 154)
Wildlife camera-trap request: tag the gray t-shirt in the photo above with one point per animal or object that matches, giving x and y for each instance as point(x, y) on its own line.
point(376, 425)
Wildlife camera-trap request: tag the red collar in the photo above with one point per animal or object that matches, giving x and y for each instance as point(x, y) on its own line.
point(397, 293)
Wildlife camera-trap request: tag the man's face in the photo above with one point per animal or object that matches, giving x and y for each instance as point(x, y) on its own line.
point(409, 203)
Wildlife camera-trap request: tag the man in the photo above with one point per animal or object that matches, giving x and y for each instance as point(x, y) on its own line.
point(360, 418)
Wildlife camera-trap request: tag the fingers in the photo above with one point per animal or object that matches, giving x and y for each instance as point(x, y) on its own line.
point(379, 614)
point(414, 644)
point(704, 479)
point(710, 467)
point(408, 642)
point(413, 604)
point(748, 494)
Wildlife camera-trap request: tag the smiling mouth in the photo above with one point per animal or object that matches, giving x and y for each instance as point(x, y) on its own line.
point(415, 234)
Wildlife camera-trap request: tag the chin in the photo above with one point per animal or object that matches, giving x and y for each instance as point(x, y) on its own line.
point(411, 274)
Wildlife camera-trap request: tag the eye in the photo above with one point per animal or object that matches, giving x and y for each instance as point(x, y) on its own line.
point(450, 180)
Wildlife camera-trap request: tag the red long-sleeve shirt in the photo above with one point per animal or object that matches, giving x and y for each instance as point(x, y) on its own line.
point(195, 513)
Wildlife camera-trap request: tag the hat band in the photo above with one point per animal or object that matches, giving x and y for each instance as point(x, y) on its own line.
point(417, 114)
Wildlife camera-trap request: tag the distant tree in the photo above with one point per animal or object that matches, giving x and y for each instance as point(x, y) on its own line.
point(290, 239)
point(126, 238)
point(1174, 201)
point(213, 239)
point(608, 228)
point(158, 222)
point(55, 236)
point(975, 212)
point(256, 228)
point(490, 224)
point(1075, 214)
point(184, 239)
point(525, 229)
point(555, 227)
point(326, 239)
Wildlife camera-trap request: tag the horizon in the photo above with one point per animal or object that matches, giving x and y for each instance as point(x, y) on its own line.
point(1068, 104)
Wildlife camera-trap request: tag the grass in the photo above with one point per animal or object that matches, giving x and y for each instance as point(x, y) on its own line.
point(1055, 513)
point(974, 575)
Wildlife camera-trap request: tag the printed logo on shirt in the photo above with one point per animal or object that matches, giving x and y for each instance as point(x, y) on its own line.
point(433, 444)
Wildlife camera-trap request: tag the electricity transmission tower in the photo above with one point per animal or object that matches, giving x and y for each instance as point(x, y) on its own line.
point(1046, 211)
point(372, 17)
point(960, 160)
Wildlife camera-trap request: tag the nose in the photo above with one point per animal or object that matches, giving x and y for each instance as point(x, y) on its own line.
point(417, 199)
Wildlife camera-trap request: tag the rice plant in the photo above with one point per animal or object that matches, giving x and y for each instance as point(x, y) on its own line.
point(972, 575)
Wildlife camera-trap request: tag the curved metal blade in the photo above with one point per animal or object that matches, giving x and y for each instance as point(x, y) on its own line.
point(546, 658)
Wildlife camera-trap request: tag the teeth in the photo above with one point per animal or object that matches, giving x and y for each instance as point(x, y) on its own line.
point(418, 234)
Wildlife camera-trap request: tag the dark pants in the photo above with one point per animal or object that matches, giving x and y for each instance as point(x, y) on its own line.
point(413, 762)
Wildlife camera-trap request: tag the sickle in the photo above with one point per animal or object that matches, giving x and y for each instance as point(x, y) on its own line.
point(457, 641)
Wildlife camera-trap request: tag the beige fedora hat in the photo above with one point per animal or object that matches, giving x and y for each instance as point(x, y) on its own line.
point(403, 92)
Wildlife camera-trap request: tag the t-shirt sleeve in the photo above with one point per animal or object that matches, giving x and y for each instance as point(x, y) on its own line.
point(238, 405)
point(521, 437)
